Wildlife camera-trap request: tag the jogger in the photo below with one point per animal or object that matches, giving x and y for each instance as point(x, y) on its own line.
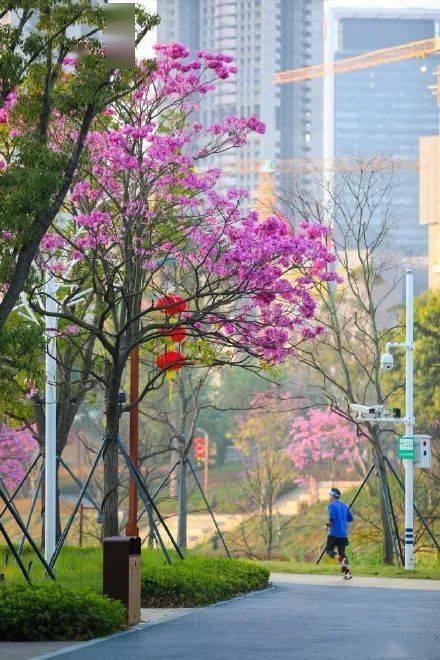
point(339, 515)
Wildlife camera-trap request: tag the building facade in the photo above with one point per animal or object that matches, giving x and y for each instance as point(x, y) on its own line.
point(385, 110)
point(264, 36)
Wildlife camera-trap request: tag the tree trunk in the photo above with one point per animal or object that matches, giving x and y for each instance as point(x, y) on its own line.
point(387, 538)
point(110, 523)
point(174, 457)
point(183, 512)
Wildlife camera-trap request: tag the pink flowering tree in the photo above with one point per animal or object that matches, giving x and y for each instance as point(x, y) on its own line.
point(17, 448)
point(157, 250)
point(323, 436)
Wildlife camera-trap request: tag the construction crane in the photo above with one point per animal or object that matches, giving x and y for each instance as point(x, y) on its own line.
point(306, 165)
point(414, 49)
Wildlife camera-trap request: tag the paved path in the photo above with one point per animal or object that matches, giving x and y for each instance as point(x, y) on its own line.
point(299, 619)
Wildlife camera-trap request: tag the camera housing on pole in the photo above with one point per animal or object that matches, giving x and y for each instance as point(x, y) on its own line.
point(376, 413)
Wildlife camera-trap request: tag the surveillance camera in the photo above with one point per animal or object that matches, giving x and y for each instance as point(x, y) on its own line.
point(365, 413)
point(366, 410)
point(386, 361)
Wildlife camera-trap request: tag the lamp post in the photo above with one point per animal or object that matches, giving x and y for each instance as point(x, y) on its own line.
point(376, 414)
point(409, 426)
point(132, 528)
point(409, 416)
point(50, 454)
point(51, 287)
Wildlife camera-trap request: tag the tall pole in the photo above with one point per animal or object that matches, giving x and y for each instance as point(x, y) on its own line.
point(409, 426)
point(132, 528)
point(50, 458)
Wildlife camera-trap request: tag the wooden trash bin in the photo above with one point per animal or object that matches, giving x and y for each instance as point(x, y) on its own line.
point(122, 573)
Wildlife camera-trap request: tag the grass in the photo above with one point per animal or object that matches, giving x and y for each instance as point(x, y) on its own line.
point(194, 582)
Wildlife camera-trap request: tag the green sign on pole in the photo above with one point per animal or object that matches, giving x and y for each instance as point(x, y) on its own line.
point(405, 447)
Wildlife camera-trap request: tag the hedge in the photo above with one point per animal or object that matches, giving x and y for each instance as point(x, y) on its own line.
point(43, 612)
point(199, 581)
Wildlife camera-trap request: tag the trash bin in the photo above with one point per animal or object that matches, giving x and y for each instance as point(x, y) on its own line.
point(122, 573)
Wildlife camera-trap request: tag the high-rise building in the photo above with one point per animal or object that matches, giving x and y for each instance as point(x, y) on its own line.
point(384, 110)
point(264, 36)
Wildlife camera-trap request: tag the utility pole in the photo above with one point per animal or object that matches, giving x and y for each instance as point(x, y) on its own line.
point(132, 528)
point(376, 414)
point(50, 457)
point(51, 288)
point(409, 425)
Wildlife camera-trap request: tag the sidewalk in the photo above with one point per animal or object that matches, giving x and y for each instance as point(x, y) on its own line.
point(28, 650)
point(374, 582)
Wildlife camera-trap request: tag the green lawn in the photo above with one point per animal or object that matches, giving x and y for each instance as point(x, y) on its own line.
point(76, 568)
point(193, 582)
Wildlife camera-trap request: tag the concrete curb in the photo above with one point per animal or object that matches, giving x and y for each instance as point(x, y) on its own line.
point(143, 626)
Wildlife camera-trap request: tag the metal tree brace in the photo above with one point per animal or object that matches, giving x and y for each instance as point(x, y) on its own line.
point(19, 522)
point(143, 493)
point(202, 492)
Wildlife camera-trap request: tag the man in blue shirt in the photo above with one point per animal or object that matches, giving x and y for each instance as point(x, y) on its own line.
point(339, 515)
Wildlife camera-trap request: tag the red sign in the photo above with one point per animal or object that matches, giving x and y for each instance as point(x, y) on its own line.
point(200, 448)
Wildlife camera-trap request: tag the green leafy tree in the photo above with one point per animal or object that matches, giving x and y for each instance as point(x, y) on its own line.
point(35, 38)
point(426, 362)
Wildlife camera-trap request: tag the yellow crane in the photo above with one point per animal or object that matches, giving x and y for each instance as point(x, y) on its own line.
point(305, 165)
point(414, 49)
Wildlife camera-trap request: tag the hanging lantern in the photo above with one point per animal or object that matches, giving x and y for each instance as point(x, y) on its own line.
point(170, 361)
point(171, 305)
point(176, 334)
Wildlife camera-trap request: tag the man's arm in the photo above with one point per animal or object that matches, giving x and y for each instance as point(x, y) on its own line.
point(349, 515)
point(331, 517)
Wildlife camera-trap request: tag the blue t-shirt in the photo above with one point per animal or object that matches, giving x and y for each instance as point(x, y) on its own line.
point(339, 515)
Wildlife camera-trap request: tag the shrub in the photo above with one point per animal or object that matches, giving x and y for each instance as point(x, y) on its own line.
point(40, 612)
point(199, 581)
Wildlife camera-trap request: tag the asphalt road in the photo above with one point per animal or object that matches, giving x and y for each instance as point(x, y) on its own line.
point(293, 620)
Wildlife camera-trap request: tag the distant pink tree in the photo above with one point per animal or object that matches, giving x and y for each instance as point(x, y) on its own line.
point(16, 450)
point(323, 435)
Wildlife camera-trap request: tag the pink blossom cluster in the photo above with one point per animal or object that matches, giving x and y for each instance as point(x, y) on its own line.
point(142, 195)
point(322, 435)
point(16, 450)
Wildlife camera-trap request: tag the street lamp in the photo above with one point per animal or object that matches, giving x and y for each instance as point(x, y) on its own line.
point(51, 306)
point(408, 345)
point(376, 414)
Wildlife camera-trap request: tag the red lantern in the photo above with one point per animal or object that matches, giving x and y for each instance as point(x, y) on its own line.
point(176, 334)
point(170, 360)
point(171, 305)
point(200, 448)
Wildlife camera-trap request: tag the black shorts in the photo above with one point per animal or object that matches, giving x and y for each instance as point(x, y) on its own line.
point(336, 542)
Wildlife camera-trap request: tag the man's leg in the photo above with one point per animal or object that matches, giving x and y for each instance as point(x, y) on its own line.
point(330, 547)
point(343, 559)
